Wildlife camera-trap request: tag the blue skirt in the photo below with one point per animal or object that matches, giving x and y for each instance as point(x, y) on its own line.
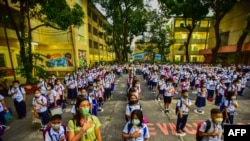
point(72, 93)
point(200, 101)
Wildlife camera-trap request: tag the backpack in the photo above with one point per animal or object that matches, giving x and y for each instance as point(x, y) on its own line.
point(20, 89)
point(130, 109)
point(176, 107)
point(222, 105)
point(198, 137)
point(47, 129)
point(130, 127)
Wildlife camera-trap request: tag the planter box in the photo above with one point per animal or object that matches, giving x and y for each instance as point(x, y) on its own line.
point(29, 89)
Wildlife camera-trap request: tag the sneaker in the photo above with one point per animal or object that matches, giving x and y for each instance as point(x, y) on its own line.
point(165, 111)
point(180, 133)
point(6, 128)
point(102, 110)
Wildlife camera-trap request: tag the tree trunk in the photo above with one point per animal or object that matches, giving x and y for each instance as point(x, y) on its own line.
point(218, 41)
point(186, 44)
point(240, 43)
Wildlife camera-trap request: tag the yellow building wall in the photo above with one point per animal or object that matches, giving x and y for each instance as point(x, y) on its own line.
point(234, 22)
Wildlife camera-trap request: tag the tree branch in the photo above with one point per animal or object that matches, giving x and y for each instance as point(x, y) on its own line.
point(47, 25)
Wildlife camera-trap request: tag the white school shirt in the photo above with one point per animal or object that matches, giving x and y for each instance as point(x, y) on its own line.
point(42, 86)
point(71, 86)
point(59, 89)
point(212, 128)
point(51, 96)
point(221, 88)
point(161, 84)
point(19, 95)
point(134, 129)
point(230, 108)
point(99, 91)
point(39, 108)
point(107, 82)
point(131, 108)
point(1, 105)
point(168, 93)
point(184, 108)
point(55, 135)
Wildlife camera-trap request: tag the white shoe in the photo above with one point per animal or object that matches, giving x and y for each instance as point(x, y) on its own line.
point(6, 128)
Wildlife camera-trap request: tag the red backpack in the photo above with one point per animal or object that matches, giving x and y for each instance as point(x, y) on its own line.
point(47, 129)
point(208, 123)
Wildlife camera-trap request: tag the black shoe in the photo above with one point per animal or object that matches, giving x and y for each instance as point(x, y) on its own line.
point(183, 130)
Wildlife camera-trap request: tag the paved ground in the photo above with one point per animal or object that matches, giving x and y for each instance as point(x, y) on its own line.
point(161, 126)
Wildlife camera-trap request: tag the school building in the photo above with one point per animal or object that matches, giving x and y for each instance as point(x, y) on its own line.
point(231, 28)
point(62, 50)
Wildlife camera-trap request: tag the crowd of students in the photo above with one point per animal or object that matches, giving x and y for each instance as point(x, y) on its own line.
point(87, 89)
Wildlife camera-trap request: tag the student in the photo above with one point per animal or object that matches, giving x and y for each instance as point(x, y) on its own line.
point(84, 126)
point(183, 106)
point(71, 83)
point(161, 86)
point(19, 96)
point(135, 129)
point(230, 104)
point(56, 131)
point(168, 94)
point(52, 96)
point(220, 92)
point(83, 93)
point(100, 93)
point(132, 105)
point(137, 87)
point(214, 133)
point(91, 93)
point(60, 90)
point(39, 104)
point(3, 110)
point(201, 99)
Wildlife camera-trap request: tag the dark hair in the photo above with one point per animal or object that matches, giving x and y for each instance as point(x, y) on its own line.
point(134, 82)
point(51, 85)
point(230, 94)
point(184, 91)
point(16, 81)
point(139, 114)
point(56, 117)
point(79, 100)
point(215, 111)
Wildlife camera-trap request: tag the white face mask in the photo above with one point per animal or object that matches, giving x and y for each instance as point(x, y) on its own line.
point(55, 126)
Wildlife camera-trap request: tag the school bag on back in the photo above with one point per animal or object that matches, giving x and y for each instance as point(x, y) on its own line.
point(222, 105)
point(47, 129)
point(176, 107)
point(198, 137)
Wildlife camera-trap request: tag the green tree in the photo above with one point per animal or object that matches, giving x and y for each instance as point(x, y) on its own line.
point(241, 40)
point(51, 13)
point(192, 12)
point(128, 18)
point(160, 33)
point(220, 9)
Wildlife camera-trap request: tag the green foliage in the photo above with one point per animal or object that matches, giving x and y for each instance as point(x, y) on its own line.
point(128, 18)
point(53, 13)
point(192, 12)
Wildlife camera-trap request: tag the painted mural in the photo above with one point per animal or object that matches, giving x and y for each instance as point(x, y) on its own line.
point(82, 58)
point(144, 56)
point(59, 60)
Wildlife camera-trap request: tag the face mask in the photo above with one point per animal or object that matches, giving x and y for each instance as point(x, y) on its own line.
point(37, 95)
point(132, 102)
point(16, 86)
point(49, 88)
point(137, 85)
point(135, 122)
point(85, 111)
point(84, 94)
point(218, 120)
point(57, 83)
point(233, 97)
point(185, 96)
point(55, 126)
point(71, 78)
point(40, 80)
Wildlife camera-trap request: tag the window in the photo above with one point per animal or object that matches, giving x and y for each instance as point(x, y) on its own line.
point(224, 38)
point(89, 12)
point(90, 28)
point(2, 60)
point(90, 44)
point(19, 60)
point(94, 17)
point(95, 31)
point(100, 23)
point(96, 45)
